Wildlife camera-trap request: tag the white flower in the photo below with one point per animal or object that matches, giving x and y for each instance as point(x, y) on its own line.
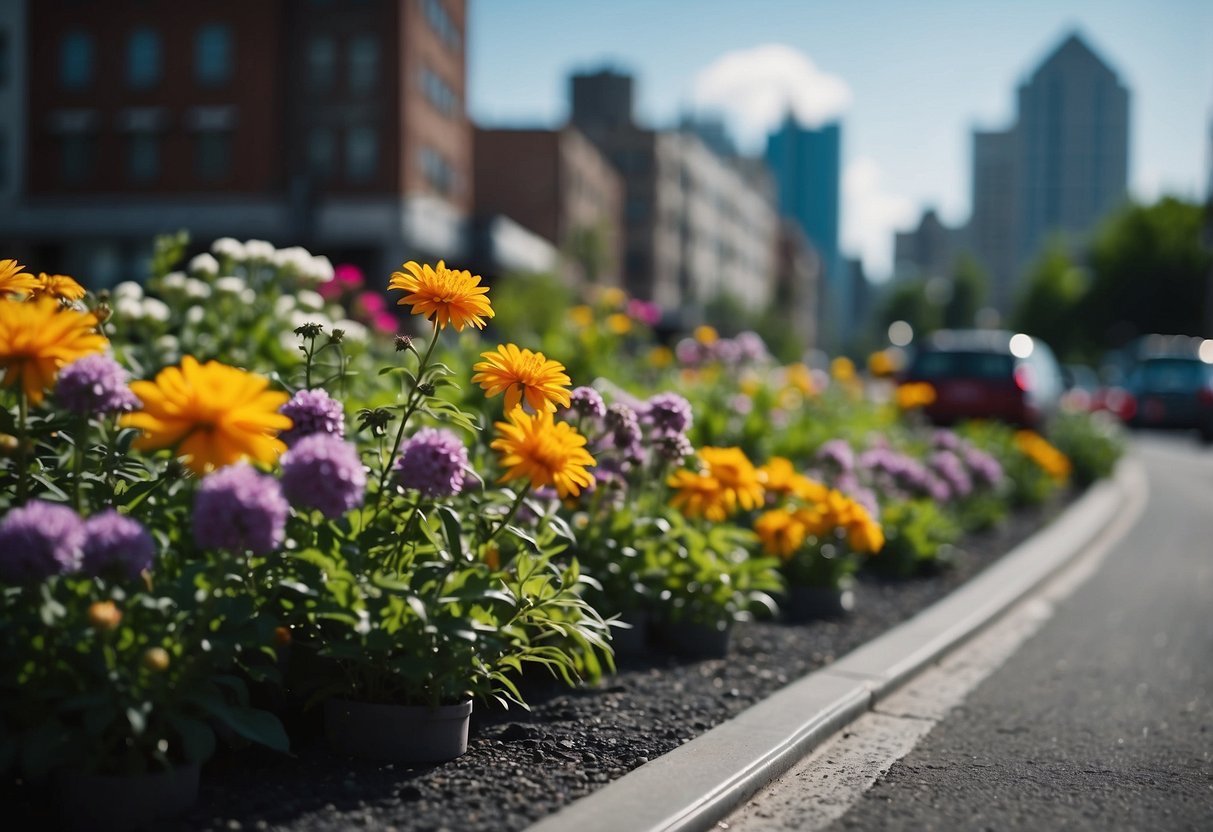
point(309, 301)
point(229, 248)
point(194, 315)
point(353, 330)
point(204, 263)
point(258, 250)
point(248, 297)
point(155, 310)
point(284, 306)
point(168, 345)
point(295, 259)
point(173, 282)
point(128, 308)
point(126, 289)
point(230, 285)
point(197, 289)
point(299, 318)
point(320, 270)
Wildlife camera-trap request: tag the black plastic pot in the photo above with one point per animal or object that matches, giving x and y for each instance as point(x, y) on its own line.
point(810, 603)
point(129, 801)
point(692, 640)
point(397, 733)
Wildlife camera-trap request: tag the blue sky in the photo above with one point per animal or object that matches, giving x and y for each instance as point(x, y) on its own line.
point(910, 80)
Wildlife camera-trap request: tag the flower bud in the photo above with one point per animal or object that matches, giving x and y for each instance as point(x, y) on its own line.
point(156, 659)
point(8, 444)
point(282, 636)
point(104, 616)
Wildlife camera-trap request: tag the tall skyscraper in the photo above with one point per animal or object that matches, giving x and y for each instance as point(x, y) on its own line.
point(1074, 145)
point(806, 164)
point(1059, 169)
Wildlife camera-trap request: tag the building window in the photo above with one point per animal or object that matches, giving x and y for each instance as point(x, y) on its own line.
point(363, 63)
point(143, 156)
point(361, 153)
point(76, 60)
point(322, 152)
point(213, 55)
point(322, 62)
point(77, 157)
point(437, 171)
point(442, 24)
point(143, 58)
point(212, 154)
point(438, 92)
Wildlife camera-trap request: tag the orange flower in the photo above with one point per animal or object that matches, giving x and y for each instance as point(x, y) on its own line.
point(59, 287)
point(443, 295)
point(523, 376)
point(104, 616)
point(729, 481)
point(535, 448)
point(781, 532)
point(14, 280)
point(38, 337)
point(914, 394)
point(210, 414)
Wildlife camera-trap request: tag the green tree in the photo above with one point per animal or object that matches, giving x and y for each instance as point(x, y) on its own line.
point(912, 302)
point(970, 286)
point(1049, 306)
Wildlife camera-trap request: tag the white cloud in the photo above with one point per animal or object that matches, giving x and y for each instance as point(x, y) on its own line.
point(870, 215)
point(755, 87)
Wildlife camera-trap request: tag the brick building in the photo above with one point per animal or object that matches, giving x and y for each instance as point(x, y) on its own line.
point(557, 184)
point(338, 126)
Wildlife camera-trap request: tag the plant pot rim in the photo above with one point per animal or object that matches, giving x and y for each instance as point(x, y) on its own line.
point(457, 709)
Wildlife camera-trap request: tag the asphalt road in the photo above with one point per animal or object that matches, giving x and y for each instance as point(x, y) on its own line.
point(1104, 719)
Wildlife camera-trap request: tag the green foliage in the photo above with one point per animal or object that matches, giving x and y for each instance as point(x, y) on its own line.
point(1050, 304)
point(919, 535)
point(910, 301)
point(1093, 442)
point(970, 286)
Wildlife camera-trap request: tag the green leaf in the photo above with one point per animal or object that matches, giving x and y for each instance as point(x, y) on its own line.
point(250, 723)
point(197, 738)
point(450, 523)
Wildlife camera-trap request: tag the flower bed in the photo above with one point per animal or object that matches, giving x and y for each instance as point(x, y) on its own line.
point(287, 509)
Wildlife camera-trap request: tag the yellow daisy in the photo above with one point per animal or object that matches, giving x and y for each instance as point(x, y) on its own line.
point(59, 287)
point(782, 533)
point(543, 452)
point(442, 295)
point(210, 414)
point(38, 337)
point(523, 376)
point(14, 280)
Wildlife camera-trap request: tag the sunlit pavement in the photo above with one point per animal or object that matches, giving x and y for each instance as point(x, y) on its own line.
point(1103, 720)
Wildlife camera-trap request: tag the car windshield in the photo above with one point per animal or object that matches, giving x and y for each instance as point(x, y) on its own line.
point(979, 365)
point(1165, 375)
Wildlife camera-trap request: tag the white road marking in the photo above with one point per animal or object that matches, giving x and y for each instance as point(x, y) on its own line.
point(824, 785)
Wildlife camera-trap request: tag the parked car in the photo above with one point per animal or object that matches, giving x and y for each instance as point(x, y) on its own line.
point(1174, 390)
point(988, 374)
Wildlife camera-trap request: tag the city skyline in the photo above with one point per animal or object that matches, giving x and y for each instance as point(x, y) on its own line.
point(888, 180)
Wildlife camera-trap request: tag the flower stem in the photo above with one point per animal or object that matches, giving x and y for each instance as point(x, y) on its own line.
point(78, 460)
point(411, 404)
point(526, 489)
point(22, 436)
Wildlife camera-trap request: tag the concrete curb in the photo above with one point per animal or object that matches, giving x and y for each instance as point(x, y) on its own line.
point(703, 780)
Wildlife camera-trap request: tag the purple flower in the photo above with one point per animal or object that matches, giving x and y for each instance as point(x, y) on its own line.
point(238, 509)
point(672, 448)
point(896, 475)
point(312, 411)
point(948, 467)
point(623, 426)
point(690, 353)
point(668, 413)
point(116, 542)
point(95, 385)
point(751, 346)
point(38, 540)
point(434, 461)
point(986, 470)
point(726, 351)
point(323, 472)
point(838, 454)
point(946, 440)
point(587, 403)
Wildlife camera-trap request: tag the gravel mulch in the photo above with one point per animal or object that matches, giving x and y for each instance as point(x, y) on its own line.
point(522, 766)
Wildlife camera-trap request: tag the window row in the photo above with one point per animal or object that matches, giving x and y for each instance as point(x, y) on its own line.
point(214, 57)
point(78, 161)
point(440, 21)
point(438, 92)
point(360, 153)
point(361, 63)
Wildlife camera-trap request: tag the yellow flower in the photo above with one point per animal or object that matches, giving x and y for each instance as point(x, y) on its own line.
point(523, 376)
point(1052, 461)
point(865, 536)
point(39, 337)
point(698, 495)
point(778, 475)
point(809, 491)
point(59, 287)
point(881, 364)
point(782, 533)
point(210, 414)
point(14, 281)
point(619, 323)
point(706, 335)
point(535, 448)
point(613, 296)
point(842, 369)
point(443, 295)
point(914, 394)
point(582, 316)
point(661, 357)
point(800, 377)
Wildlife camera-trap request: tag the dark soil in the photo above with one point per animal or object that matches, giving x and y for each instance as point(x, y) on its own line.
point(522, 766)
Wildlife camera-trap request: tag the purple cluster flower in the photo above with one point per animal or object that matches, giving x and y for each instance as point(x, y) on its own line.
point(623, 425)
point(114, 542)
point(898, 475)
point(668, 413)
point(587, 403)
point(672, 448)
point(947, 440)
point(95, 385)
point(752, 349)
point(38, 540)
point(238, 509)
point(690, 353)
point(951, 471)
point(837, 456)
point(323, 472)
point(433, 461)
point(311, 412)
point(986, 470)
